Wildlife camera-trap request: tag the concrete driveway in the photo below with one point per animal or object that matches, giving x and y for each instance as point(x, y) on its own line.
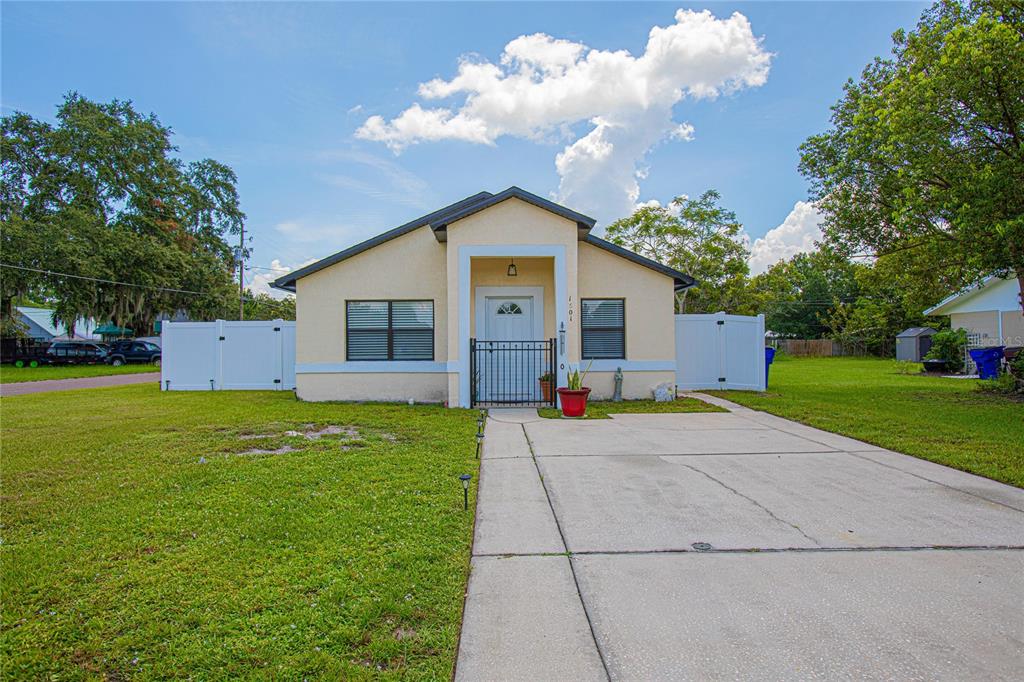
point(734, 545)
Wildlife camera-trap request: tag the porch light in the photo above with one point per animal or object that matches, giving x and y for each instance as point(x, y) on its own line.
point(465, 490)
point(512, 268)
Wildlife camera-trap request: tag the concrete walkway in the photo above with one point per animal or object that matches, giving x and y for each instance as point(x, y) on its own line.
point(734, 545)
point(47, 385)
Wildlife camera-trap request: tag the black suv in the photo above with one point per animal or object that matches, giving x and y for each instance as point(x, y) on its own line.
point(74, 353)
point(123, 352)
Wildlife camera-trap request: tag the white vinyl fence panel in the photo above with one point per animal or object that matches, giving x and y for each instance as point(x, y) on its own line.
point(226, 355)
point(720, 351)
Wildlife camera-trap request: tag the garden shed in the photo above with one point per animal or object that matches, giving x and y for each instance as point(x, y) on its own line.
point(914, 343)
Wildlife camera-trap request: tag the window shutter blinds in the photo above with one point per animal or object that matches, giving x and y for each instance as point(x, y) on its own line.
point(603, 329)
point(390, 330)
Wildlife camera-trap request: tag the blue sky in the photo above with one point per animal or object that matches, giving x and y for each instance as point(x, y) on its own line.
point(280, 91)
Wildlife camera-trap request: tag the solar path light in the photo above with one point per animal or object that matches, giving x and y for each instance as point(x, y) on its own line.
point(465, 490)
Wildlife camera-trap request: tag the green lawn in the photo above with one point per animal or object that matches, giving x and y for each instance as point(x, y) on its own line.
point(9, 374)
point(601, 409)
point(942, 420)
point(139, 540)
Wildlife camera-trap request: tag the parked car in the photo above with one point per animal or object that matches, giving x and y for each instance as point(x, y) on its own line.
point(74, 353)
point(133, 350)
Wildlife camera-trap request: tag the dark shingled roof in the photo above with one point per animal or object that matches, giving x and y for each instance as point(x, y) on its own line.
point(440, 219)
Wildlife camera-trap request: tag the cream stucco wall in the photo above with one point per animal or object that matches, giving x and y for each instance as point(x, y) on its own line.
point(650, 300)
point(635, 385)
point(375, 386)
point(408, 267)
point(511, 222)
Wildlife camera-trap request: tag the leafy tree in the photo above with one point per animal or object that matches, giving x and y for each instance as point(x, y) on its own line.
point(99, 197)
point(926, 152)
point(266, 307)
point(891, 297)
point(798, 296)
point(698, 237)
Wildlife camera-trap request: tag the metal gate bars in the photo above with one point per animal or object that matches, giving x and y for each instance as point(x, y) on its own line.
point(512, 373)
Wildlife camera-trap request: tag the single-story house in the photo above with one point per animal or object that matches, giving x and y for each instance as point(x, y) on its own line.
point(990, 312)
point(477, 302)
point(39, 325)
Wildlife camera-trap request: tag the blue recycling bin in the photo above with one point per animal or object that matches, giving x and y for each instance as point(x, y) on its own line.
point(769, 357)
point(987, 360)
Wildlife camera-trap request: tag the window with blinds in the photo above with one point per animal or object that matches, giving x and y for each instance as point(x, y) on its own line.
point(389, 330)
point(603, 323)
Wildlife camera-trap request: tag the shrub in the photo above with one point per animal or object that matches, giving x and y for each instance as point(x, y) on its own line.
point(949, 345)
point(907, 367)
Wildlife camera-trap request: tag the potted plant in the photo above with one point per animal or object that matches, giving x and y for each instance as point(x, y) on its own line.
point(574, 396)
point(546, 381)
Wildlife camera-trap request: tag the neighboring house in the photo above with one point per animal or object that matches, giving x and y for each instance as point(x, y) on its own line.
point(41, 327)
point(393, 318)
point(989, 311)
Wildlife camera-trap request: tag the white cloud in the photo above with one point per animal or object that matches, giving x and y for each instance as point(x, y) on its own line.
point(260, 279)
point(543, 85)
point(797, 234)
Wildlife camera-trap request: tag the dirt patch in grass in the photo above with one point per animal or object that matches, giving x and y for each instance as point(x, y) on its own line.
point(311, 432)
point(283, 450)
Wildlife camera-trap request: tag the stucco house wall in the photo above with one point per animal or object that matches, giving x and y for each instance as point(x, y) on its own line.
point(650, 325)
point(511, 223)
point(985, 324)
point(409, 267)
point(459, 254)
point(991, 310)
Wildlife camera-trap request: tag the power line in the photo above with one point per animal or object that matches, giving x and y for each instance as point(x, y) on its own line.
point(104, 281)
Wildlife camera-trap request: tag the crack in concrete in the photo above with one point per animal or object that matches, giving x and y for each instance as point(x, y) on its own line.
point(925, 478)
point(754, 502)
point(568, 555)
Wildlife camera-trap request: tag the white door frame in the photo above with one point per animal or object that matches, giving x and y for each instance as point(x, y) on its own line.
point(484, 293)
point(466, 253)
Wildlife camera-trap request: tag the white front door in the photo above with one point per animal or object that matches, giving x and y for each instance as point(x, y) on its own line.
point(510, 368)
point(509, 318)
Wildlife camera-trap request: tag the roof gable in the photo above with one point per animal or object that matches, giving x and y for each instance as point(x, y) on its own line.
point(440, 219)
point(992, 293)
point(440, 224)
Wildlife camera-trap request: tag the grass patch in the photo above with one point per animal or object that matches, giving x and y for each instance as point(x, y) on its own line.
point(941, 420)
point(601, 409)
point(221, 535)
point(9, 374)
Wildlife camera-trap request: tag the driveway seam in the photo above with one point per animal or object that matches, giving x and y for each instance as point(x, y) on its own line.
point(688, 454)
point(754, 502)
point(925, 478)
point(770, 550)
point(568, 557)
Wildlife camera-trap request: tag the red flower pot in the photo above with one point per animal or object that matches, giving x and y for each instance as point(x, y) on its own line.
point(574, 403)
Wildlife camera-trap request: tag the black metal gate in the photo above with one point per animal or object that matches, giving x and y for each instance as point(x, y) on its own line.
point(512, 373)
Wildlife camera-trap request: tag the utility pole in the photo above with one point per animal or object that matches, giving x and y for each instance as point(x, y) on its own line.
point(241, 273)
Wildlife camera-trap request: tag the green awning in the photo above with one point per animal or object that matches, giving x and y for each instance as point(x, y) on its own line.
point(110, 329)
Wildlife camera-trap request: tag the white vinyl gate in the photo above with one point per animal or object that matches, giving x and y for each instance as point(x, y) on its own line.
point(225, 355)
point(720, 351)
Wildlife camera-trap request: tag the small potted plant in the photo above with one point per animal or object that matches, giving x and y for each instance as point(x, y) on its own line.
point(546, 381)
point(574, 396)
